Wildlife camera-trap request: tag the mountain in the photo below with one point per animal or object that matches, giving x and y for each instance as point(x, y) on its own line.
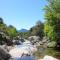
point(23, 30)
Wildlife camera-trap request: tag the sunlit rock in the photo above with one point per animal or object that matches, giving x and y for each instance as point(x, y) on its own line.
point(48, 58)
point(34, 40)
point(15, 53)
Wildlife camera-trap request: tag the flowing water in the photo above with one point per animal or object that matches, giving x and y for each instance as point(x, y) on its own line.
point(39, 54)
point(24, 57)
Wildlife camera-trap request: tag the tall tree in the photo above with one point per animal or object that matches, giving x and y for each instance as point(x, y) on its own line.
point(1, 20)
point(38, 29)
point(2, 25)
point(52, 16)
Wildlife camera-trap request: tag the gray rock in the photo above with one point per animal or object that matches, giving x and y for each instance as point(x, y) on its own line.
point(4, 54)
point(45, 39)
point(49, 58)
point(34, 39)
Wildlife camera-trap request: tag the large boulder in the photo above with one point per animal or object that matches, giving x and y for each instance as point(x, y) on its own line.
point(48, 58)
point(51, 44)
point(4, 55)
point(45, 40)
point(34, 39)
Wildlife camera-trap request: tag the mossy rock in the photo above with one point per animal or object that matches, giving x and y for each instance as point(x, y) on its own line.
point(52, 44)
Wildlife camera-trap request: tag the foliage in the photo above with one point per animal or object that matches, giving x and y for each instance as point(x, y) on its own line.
point(7, 31)
point(2, 25)
point(37, 29)
point(12, 32)
point(52, 16)
point(1, 21)
point(24, 34)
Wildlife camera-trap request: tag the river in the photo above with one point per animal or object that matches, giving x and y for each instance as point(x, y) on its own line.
point(25, 48)
point(38, 54)
point(25, 58)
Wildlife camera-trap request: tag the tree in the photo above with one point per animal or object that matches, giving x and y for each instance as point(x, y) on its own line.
point(12, 32)
point(52, 16)
point(6, 32)
point(3, 26)
point(38, 29)
point(1, 21)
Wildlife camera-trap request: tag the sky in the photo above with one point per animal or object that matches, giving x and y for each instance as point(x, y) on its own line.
point(22, 13)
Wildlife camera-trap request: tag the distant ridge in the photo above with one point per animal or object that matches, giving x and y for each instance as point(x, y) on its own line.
point(23, 30)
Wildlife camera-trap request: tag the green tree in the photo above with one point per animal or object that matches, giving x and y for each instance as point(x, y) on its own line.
point(6, 31)
point(12, 32)
point(2, 26)
point(1, 21)
point(38, 29)
point(52, 16)
point(2, 30)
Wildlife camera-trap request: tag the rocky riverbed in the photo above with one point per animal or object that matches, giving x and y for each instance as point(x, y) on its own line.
point(25, 51)
point(22, 50)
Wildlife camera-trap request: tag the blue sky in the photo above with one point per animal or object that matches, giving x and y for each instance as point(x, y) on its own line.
point(22, 13)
